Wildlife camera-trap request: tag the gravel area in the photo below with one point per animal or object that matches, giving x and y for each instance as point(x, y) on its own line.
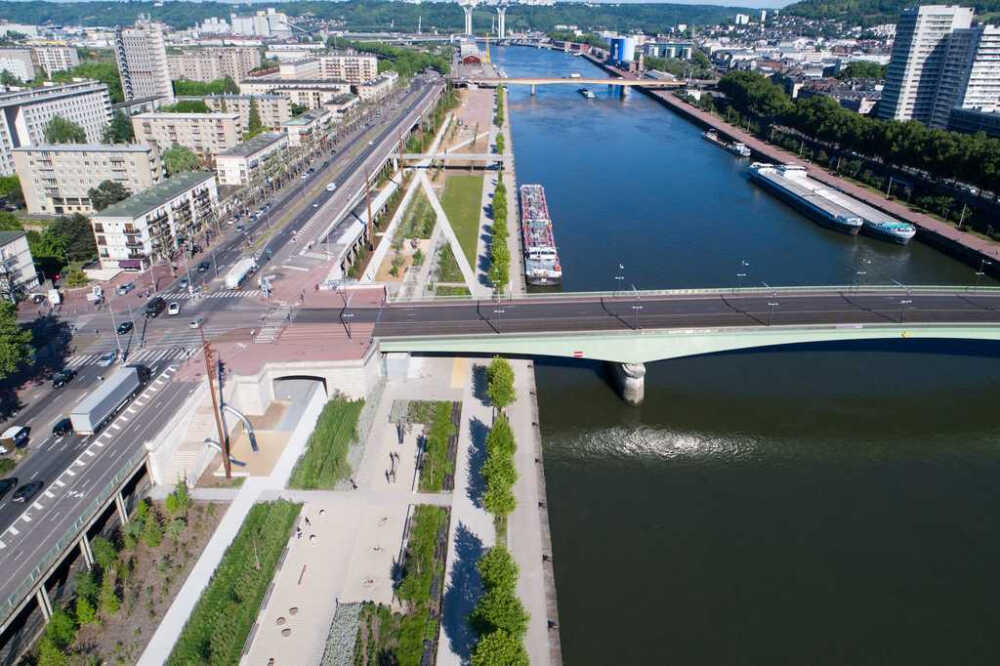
point(343, 634)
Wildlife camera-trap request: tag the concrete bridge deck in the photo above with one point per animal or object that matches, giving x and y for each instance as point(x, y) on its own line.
point(590, 81)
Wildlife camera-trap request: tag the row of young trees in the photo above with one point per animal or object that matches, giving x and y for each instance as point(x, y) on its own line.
point(499, 617)
point(500, 250)
point(971, 158)
point(498, 114)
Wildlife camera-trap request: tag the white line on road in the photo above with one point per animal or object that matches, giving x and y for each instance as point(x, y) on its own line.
point(26, 518)
point(89, 453)
point(48, 493)
point(71, 473)
point(13, 530)
point(116, 426)
point(38, 506)
point(60, 484)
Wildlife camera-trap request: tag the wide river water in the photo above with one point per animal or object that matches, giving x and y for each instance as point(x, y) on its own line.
point(832, 504)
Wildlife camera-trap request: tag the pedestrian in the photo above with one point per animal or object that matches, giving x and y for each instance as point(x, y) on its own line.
point(353, 485)
point(307, 521)
point(387, 476)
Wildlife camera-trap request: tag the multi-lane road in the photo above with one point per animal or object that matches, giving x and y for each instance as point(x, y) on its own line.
point(722, 308)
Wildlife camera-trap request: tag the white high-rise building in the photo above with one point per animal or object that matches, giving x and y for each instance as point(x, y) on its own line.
point(141, 53)
point(24, 115)
point(18, 62)
point(54, 58)
point(930, 51)
point(982, 83)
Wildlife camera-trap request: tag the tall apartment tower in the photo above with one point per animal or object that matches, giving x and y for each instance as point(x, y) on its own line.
point(982, 79)
point(141, 53)
point(931, 51)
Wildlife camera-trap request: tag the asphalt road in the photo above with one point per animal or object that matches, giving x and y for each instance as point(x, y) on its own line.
point(670, 311)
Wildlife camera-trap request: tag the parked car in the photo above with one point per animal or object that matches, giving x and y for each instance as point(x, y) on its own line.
point(62, 426)
point(174, 308)
point(331, 186)
point(124, 289)
point(107, 358)
point(125, 327)
point(240, 227)
point(203, 266)
point(196, 322)
point(183, 284)
point(37, 298)
point(62, 378)
point(7, 485)
point(14, 437)
point(27, 491)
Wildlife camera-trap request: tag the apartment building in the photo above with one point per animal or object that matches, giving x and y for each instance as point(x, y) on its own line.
point(238, 165)
point(377, 88)
point(210, 64)
point(340, 107)
point(152, 224)
point(18, 62)
point(17, 267)
point(141, 53)
point(52, 58)
point(302, 128)
point(266, 23)
point(273, 109)
point(283, 52)
point(25, 113)
point(57, 179)
point(204, 133)
point(350, 67)
point(310, 94)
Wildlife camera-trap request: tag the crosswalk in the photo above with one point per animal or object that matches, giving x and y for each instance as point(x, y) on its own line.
point(222, 293)
point(274, 324)
point(144, 356)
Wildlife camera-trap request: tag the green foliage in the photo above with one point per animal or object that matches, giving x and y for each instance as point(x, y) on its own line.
point(109, 602)
point(9, 79)
point(61, 629)
point(85, 611)
point(500, 609)
point(500, 144)
point(254, 125)
point(755, 94)
point(152, 532)
point(298, 109)
point(105, 72)
point(586, 38)
point(405, 61)
point(178, 501)
point(186, 106)
point(500, 386)
point(499, 648)
point(499, 500)
point(107, 193)
point(499, 470)
point(15, 342)
point(9, 222)
point(10, 189)
point(695, 68)
point(75, 277)
point(105, 553)
point(49, 653)
point(438, 464)
point(86, 585)
point(60, 130)
point(177, 159)
point(119, 130)
point(325, 461)
point(421, 567)
point(68, 239)
point(497, 569)
point(499, 272)
point(862, 69)
point(218, 627)
point(185, 88)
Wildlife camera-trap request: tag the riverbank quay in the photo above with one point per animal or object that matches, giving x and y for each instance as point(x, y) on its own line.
point(518, 283)
point(980, 253)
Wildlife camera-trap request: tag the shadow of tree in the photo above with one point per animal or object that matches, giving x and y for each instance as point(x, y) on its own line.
point(477, 458)
point(464, 590)
point(52, 343)
point(479, 383)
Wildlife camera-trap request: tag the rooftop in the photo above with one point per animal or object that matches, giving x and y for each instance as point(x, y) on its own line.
point(254, 145)
point(293, 82)
point(157, 195)
point(187, 116)
point(85, 148)
point(307, 118)
point(10, 236)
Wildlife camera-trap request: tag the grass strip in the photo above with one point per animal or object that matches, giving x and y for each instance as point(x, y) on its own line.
point(437, 464)
point(324, 462)
point(462, 199)
point(217, 629)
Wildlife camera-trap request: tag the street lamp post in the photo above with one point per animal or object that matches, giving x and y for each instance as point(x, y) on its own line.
point(770, 314)
point(902, 307)
point(983, 263)
point(619, 279)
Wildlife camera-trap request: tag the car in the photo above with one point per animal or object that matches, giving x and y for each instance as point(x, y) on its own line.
point(27, 491)
point(62, 378)
point(303, 176)
point(203, 266)
point(6, 485)
point(174, 308)
point(311, 170)
point(62, 427)
point(240, 227)
point(183, 284)
point(331, 186)
point(107, 358)
point(315, 205)
point(196, 322)
point(155, 306)
point(124, 289)
point(38, 298)
point(14, 437)
point(125, 327)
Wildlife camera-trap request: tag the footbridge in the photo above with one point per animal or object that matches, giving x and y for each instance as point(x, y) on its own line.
point(631, 329)
point(492, 82)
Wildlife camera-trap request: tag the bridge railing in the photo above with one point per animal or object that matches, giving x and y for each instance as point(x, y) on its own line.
point(727, 291)
point(13, 601)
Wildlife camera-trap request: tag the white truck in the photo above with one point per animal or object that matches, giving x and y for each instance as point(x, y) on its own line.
point(104, 402)
point(239, 271)
point(55, 298)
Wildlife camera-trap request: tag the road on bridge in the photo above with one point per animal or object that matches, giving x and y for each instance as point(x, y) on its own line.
point(720, 309)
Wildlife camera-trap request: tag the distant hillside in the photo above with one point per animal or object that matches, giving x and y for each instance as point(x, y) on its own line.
point(875, 12)
point(365, 15)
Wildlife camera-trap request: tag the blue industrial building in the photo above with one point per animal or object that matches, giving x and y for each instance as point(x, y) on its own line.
point(622, 52)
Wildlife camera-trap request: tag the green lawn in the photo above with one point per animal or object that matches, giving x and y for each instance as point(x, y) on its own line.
point(462, 201)
point(325, 461)
point(448, 270)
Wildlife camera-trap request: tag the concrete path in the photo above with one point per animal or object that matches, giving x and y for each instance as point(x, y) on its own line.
point(463, 263)
point(486, 229)
point(180, 610)
point(518, 287)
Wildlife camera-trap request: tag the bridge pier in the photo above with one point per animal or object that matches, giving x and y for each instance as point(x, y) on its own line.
point(88, 554)
point(532, 89)
point(43, 602)
point(632, 381)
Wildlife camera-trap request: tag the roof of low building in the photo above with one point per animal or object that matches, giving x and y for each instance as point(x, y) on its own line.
point(157, 195)
point(86, 148)
point(10, 236)
point(251, 146)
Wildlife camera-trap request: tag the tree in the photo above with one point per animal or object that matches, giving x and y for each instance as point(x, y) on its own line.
point(254, 125)
point(86, 585)
point(8, 79)
point(119, 130)
point(77, 234)
point(10, 189)
point(152, 533)
point(107, 193)
point(109, 601)
point(298, 109)
point(15, 342)
point(177, 159)
point(499, 648)
point(49, 653)
point(187, 106)
point(499, 500)
point(60, 130)
point(230, 87)
point(500, 609)
point(85, 611)
point(61, 629)
point(9, 222)
point(105, 553)
point(500, 388)
point(497, 569)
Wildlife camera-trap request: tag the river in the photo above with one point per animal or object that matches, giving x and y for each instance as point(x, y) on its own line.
point(831, 504)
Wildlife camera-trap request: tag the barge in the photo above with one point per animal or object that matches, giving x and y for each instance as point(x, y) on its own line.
point(541, 259)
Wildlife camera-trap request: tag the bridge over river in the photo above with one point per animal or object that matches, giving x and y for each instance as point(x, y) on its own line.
point(633, 328)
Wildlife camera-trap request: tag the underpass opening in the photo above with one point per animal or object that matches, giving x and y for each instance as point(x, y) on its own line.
point(296, 388)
